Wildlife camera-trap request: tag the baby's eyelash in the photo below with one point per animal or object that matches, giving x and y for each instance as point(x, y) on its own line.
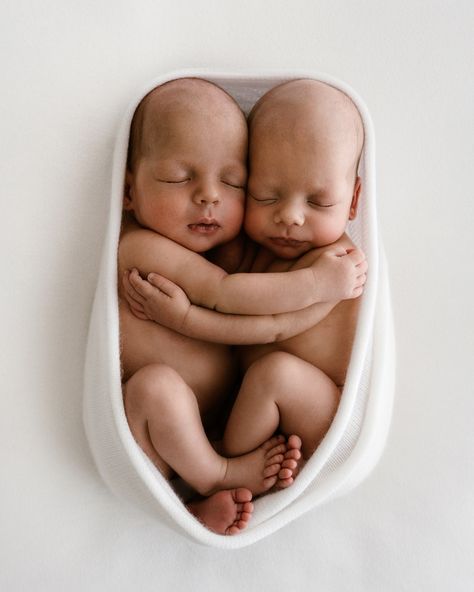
point(263, 199)
point(173, 182)
point(318, 205)
point(234, 185)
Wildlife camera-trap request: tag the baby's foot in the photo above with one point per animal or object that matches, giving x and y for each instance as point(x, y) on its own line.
point(257, 470)
point(225, 512)
point(291, 464)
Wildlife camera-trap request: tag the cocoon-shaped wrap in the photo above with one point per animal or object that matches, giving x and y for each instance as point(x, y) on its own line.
point(357, 435)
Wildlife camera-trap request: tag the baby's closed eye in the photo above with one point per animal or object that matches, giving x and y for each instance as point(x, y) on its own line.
point(262, 199)
point(317, 204)
point(173, 180)
point(236, 184)
point(171, 172)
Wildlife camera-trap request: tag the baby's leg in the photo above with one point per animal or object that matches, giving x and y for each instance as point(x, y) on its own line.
point(164, 418)
point(281, 391)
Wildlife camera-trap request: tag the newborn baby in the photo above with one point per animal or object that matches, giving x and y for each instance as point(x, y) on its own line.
point(184, 196)
point(306, 139)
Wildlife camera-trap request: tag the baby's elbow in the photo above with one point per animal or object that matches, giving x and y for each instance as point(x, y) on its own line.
point(280, 337)
point(215, 295)
point(278, 333)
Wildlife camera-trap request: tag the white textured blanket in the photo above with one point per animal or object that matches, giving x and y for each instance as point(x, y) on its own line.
point(357, 435)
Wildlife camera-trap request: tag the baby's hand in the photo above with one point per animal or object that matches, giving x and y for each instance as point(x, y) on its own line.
point(157, 299)
point(340, 273)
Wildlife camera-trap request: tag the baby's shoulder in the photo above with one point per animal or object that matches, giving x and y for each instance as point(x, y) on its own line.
point(139, 238)
point(139, 245)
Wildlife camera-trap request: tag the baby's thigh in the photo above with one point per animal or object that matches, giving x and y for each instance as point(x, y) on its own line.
point(154, 389)
point(209, 369)
point(284, 373)
point(306, 397)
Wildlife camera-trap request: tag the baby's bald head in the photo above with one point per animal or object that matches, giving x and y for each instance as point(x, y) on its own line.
point(316, 114)
point(305, 142)
point(176, 104)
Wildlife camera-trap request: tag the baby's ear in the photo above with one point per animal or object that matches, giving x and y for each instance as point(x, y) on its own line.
point(127, 191)
point(355, 198)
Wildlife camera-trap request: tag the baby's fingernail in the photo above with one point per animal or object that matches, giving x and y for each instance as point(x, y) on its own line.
point(151, 276)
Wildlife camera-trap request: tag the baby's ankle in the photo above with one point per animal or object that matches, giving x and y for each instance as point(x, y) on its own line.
point(215, 480)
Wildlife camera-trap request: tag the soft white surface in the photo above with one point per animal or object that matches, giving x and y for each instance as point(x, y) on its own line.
point(68, 70)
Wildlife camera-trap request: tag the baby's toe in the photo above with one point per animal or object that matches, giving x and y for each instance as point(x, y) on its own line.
point(294, 441)
point(279, 449)
point(285, 474)
point(276, 459)
point(284, 483)
point(273, 442)
point(271, 470)
point(241, 495)
point(294, 454)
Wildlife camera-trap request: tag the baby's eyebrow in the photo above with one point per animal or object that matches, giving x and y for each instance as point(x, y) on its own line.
point(169, 161)
point(317, 192)
point(236, 168)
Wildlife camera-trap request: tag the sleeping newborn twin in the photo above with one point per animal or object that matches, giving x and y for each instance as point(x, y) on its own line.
point(242, 274)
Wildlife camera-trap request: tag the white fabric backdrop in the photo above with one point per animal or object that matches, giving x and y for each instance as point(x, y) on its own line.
point(68, 71)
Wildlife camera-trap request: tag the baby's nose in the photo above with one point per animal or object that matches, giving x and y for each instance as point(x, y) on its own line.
point(207, 193)
point(290, 216)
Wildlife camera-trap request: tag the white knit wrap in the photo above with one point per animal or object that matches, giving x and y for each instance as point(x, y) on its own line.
point(357, 435)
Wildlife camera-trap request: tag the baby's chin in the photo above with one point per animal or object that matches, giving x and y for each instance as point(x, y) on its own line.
point(289, 252)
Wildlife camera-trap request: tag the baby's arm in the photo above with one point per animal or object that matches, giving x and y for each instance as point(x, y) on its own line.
point(335, 275)
point(160, 300)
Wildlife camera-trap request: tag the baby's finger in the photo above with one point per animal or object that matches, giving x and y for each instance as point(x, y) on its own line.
point(338, 251)
point(131, 295)
point(133, 304)
point(163, 284)
point(357, 256)
point(143, 287)
point(130, 291)
point(139, 314)
point(136, 308)
point(362, 267)
point(360, 280)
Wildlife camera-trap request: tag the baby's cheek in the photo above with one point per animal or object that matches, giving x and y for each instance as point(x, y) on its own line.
point(251, 224)
point(330, 233)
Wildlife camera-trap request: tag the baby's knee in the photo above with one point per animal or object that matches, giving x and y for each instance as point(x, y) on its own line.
point(152, 386)
point(274, 369)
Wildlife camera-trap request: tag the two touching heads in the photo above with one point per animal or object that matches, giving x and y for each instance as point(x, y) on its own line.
point(193, 158)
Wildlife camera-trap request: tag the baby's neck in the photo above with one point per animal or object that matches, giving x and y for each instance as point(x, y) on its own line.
point(264, 258)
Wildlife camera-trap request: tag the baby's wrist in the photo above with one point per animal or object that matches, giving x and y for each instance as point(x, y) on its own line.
point(317, 282)
point(186, 319)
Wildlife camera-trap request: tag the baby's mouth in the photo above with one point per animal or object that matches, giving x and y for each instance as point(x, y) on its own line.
point(204, 226)
point(286, 242)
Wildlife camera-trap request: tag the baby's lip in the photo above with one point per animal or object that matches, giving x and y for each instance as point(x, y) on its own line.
point(206, 220)
point(286, 241)
point(204, 225)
